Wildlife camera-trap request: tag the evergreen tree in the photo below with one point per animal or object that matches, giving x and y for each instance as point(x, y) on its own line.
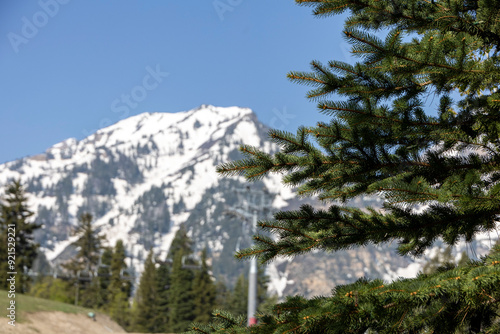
point(181, 312)
point(180, 243)
point(88, 244)
point(163, 282)
point(145, 308)
point(222, 295)
point(120, 287)
point(262, 284)
point(204, 292)
point(16, 237)
point(103, 278)
point(238, 300)
point(4, 265)
point(119, 277)
point(239, 296)
point(84, 266)
point(438, 175)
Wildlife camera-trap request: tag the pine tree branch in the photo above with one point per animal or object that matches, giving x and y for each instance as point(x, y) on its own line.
point(429, 64)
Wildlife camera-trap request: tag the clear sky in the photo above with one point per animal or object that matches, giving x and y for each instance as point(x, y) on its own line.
point(69, 67)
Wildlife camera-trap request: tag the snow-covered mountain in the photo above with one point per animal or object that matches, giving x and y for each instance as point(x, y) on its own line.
point(144, 176)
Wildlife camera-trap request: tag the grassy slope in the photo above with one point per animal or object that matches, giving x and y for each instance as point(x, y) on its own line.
point(28, 304)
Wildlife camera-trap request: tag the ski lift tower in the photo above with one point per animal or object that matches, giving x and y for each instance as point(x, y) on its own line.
point(251, 207)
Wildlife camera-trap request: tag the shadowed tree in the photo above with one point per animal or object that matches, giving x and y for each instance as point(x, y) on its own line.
point(181, 308)
point(163, 282)
point(17, 243)
point(204, 292)
point(145, 308)
point(88, 244)
point(85, 265)
point(120, 287)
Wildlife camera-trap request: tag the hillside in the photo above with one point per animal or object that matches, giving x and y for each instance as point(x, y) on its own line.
point(40, 316)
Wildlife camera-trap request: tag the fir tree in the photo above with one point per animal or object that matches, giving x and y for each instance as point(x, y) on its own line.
point(4, 265)
point(238, 300)
point(119, 277)
point(88, 244)
point(16, 237)
point(223, 294)
point(180, 243)
point(181, 312)
point(163, 281)
point(239, 297)
point(145, 308)
point(180, 293)
point(204, 292)
point(438, 175)
point(120, 287)
point(103, 278)
point(84, 266)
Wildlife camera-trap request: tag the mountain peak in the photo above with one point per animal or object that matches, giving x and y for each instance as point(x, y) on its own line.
point(138, 128)
point(141, 178)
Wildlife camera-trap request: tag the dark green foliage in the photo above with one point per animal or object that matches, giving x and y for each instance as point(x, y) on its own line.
point(119, 280)
point(103, 278)
point(239, 298)
point(204, 292)
point(88, 244)
point(374, 305)
point(223, 294)
point(181, 295)
point(91, 294)
point(84, 267)
point(145, 300)
point(163, 282)
point(120, 284)
point(437, 175)
point(180, 244)
point(16, 237)
point(181, 290)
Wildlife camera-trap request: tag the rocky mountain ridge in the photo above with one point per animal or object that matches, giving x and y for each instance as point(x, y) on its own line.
point(144, 176)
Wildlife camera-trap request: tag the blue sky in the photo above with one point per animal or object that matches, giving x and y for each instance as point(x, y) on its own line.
point(68, 65)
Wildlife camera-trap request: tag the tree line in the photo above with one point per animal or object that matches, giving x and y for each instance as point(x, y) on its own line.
point(172, 293)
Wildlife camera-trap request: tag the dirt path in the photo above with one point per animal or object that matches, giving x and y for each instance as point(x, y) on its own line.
point(61, 323)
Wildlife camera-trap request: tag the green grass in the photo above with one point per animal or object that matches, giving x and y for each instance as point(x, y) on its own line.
point(27, 304)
